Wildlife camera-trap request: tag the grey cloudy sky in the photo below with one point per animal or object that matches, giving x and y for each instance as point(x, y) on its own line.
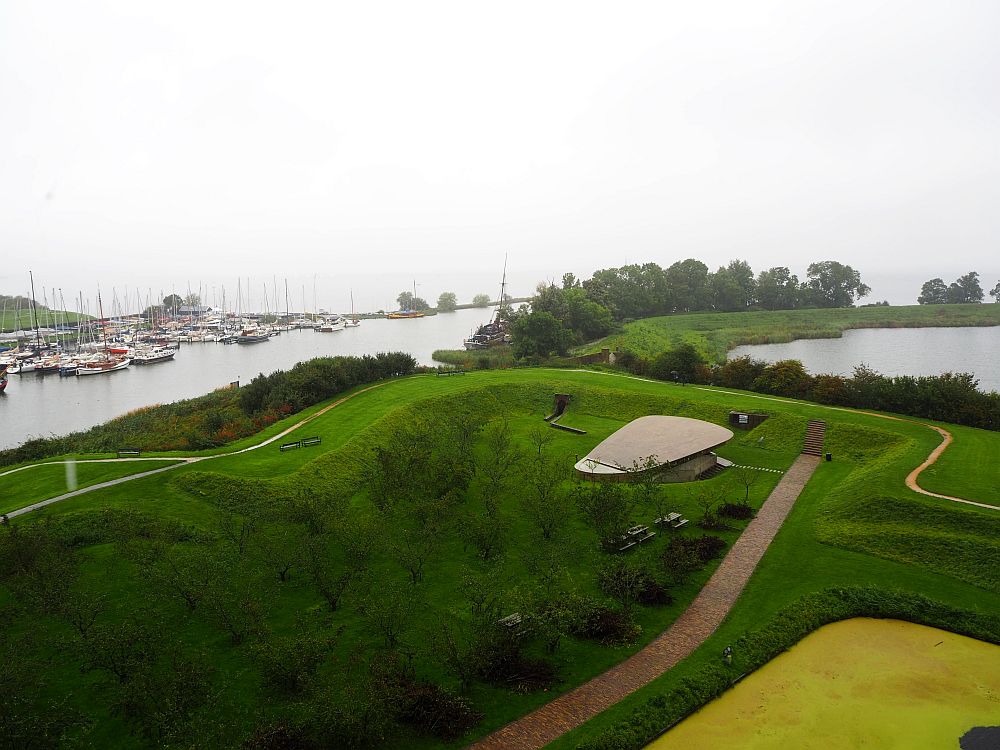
point(370, 143)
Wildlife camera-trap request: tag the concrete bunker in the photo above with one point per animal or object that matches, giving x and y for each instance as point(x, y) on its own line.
point(674, 449)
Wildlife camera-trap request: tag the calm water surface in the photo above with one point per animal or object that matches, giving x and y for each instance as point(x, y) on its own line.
point(44, 405)
point(895, 351)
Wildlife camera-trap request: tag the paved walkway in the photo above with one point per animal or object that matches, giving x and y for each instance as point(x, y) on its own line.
point(688, 632)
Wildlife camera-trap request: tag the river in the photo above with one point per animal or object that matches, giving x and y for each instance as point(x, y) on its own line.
point(44, 405)
point(895, 351)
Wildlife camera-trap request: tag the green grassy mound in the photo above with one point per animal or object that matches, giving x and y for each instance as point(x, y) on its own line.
point(348, 594)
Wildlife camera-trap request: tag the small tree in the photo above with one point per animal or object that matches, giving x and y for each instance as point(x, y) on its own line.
point(623, 583)
point(708, 500)
point(481, 300)
point(488, 533)
point(388, 610)
point(933, 292)
point(547, 506)
point(413, 547)
point(607, 507)
point(497, 463)
point(447, 302)
point(747, 476)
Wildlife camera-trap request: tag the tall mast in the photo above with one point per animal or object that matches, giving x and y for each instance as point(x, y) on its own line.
point(34, 313)
point(104, 327)
point(503, 286)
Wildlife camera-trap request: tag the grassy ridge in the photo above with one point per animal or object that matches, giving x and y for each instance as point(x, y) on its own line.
point(714, 334)
point(41, 482)
point(848, 529)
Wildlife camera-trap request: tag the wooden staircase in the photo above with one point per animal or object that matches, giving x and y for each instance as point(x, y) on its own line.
point(813, 445)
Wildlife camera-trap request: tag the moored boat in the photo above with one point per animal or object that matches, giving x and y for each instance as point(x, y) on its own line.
point(249, 336)
point(497, 331)
point(329, 325)
point(102, 366)
point(153, 356)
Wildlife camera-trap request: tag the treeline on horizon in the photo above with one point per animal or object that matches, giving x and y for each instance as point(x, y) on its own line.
point(580, 311)
point(224, 415)
point(963, 290)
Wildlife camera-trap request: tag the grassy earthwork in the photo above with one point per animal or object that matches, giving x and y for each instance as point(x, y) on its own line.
point(42, 481)
point(855, 524)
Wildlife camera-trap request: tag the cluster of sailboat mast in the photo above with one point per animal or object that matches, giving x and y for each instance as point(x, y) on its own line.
point(98, 345)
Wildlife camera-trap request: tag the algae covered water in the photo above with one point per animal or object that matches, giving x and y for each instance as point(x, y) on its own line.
point(857, 683)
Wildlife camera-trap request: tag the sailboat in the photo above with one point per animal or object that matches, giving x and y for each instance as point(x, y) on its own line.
point(407, 313)
point(3, 377)
point(352, 322)
point(107, 363)
point(497, 331)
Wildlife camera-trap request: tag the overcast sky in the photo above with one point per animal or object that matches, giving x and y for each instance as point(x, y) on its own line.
point(365, 144)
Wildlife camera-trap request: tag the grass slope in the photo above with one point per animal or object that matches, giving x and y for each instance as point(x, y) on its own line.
point(855, 524)
point(43, 481)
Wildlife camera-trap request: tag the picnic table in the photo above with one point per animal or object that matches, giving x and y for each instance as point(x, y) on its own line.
point(674, 520)
point(635, 535)
point(669, 518)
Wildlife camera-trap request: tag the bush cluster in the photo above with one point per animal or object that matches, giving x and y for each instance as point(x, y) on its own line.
point(741, 511)
point(950, 397)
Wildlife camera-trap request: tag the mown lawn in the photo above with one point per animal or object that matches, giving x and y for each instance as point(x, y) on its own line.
point(40, 482)
point(855, 523)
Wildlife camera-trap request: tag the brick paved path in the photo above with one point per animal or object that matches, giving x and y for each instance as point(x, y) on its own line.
point(688, 632)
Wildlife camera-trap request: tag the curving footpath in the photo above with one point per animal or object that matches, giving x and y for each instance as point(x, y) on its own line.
point(180, 460)
point(676, 643)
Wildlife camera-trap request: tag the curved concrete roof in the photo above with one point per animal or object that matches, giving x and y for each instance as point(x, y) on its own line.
point(665, 439)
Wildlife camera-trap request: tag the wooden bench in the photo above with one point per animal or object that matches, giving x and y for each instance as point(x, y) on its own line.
point(315, 440)
point(128, 452)
point(678, 523)
point(290, 446)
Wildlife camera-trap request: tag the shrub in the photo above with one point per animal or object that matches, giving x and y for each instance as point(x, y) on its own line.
point(653, 593)
point(608, 626)
point(741, 511)
point(435, 711)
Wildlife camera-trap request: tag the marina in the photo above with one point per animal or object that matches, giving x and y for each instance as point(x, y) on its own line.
point(36, 405)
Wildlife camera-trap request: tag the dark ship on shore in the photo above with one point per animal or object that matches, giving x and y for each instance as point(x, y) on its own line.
point(497, 331)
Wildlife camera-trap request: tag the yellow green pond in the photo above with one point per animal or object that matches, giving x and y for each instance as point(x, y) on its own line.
point(860, 683)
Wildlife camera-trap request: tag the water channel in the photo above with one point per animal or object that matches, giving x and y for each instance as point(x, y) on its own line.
point(895, 351)
point(44, 405)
